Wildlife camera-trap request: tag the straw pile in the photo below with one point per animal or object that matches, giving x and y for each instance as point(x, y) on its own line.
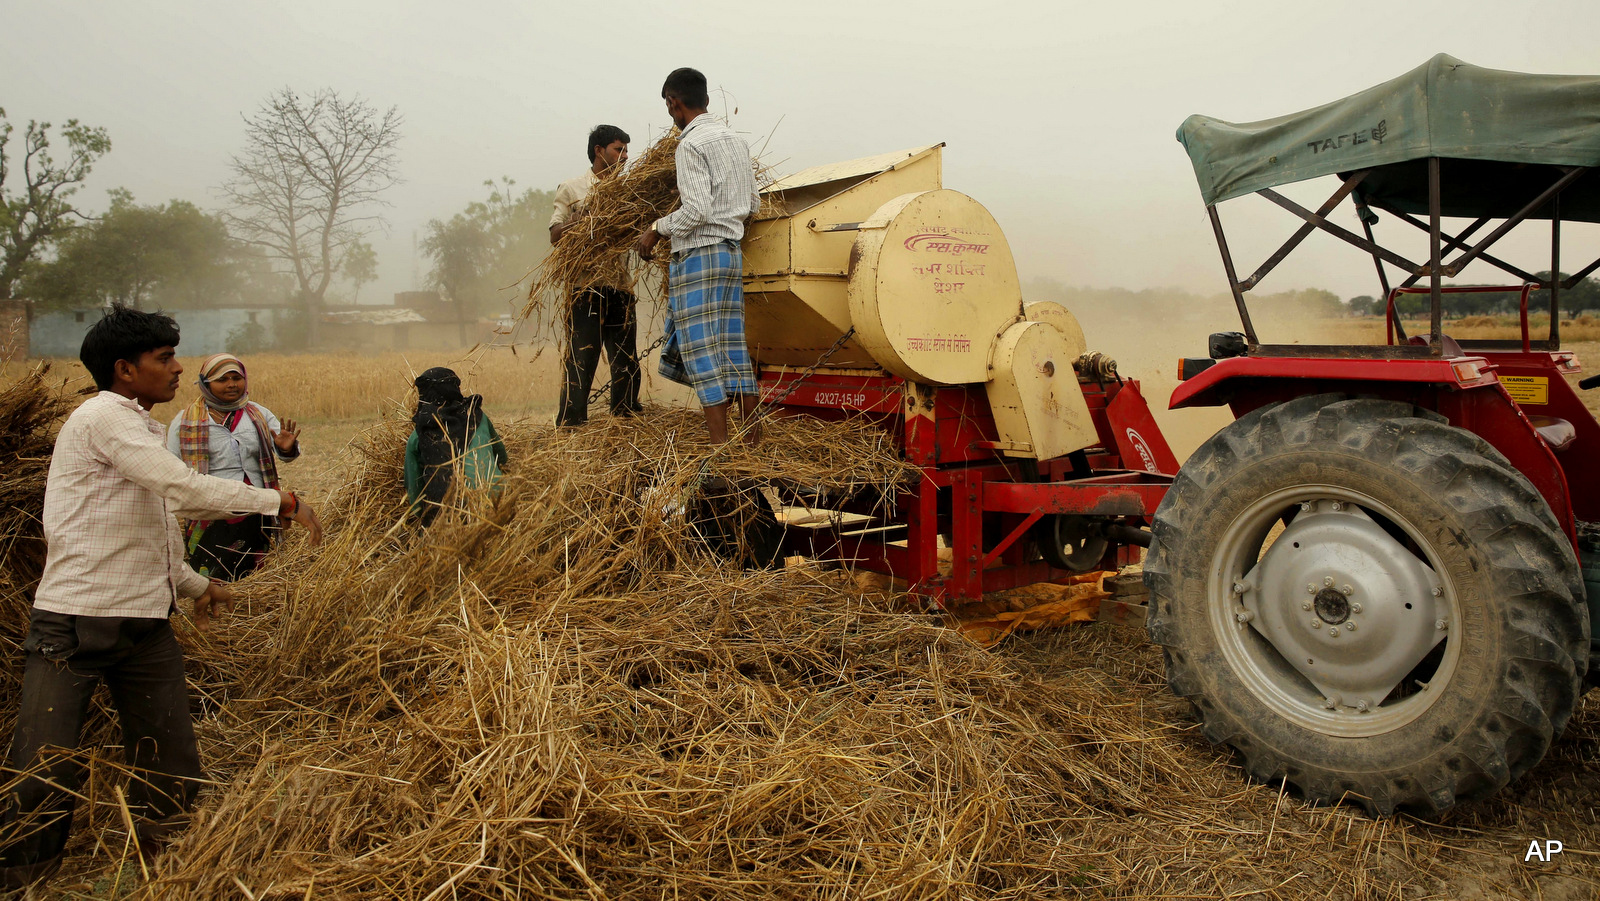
point(30, 411)
point(552, 693)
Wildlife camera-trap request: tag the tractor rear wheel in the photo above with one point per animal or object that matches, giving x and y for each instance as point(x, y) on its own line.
point(1368, 603)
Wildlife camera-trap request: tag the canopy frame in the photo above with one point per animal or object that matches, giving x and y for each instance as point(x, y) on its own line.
point(1435, 270)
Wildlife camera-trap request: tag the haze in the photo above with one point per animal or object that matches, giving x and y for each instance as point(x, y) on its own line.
point(1058, 116)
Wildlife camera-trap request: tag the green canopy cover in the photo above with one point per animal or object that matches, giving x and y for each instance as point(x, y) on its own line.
point(1497, 132)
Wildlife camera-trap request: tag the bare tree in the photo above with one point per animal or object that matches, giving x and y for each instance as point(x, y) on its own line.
point(308, 183)
point(36, 212)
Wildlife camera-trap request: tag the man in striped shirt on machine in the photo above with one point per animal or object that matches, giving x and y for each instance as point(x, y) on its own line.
point(717, 194)
point(114, 571)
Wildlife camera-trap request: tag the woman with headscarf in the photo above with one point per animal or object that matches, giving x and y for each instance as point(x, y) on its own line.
point(448, 428)
point(225, 434)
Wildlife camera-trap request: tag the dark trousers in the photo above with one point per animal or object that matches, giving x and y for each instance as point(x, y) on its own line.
point(601, 319)
point(142, 665)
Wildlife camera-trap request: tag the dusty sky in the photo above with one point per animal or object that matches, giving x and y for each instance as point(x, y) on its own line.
point(1059, 115)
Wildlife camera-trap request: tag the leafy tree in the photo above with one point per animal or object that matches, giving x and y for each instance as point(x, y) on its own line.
point(173, 255)
point(483, 255)
point(38, 211)
point(248, 338)
point(1366, 305)
point(360, 266)
point(306, 186)
point(461, 253)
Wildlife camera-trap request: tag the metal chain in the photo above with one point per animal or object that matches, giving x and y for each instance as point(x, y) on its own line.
point(809, 372)
point(601, 391)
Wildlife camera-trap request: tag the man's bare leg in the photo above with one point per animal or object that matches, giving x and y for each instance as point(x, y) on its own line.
point(752, 425)
point(717, 422)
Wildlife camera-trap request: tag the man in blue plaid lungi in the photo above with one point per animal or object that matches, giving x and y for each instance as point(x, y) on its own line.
point(717, 193)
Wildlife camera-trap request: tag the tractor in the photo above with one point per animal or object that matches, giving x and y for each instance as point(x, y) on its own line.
point(1371, 584)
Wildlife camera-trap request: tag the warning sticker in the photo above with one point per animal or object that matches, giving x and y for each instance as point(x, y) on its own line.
point(1527, 389)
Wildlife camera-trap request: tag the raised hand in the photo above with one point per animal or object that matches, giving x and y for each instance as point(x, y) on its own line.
point(287, 439)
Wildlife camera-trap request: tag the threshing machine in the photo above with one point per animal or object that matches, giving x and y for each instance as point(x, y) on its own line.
point(871, 290)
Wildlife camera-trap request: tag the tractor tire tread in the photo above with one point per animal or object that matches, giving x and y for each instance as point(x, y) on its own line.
point(1542, 615)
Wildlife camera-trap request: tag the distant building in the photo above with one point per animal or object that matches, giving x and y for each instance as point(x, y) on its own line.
point(417, 320)
point(59, 333)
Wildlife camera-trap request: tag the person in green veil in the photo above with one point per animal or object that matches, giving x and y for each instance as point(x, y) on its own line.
point(449, 430)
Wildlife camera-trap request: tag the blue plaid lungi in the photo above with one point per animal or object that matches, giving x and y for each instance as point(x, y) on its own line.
point(705, 347)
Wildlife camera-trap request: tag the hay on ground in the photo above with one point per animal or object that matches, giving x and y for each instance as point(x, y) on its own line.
point(554, 693)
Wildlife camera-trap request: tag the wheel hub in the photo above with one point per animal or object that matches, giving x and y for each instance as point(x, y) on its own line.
point(1331, 606)
point(1345, 603)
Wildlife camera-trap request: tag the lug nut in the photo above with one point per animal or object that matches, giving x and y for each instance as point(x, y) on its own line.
point(1349, 627)
point(1346, 590)
point(1336, 506)
point(1240, 586)
point(1305, 507)
point(1361, 705)
point(1334, 631)
point(1441, 625)
point(1327, 581)
point(1306, 606)
point(1244, 616)
point(1311, 588)
point(1330, 703)
point(1316, 624)
point(1355, 608)
point(1438, 592)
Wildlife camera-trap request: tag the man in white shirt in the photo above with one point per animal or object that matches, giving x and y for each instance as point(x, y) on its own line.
point(717, 194)
point(602, 315)
point(113, 573)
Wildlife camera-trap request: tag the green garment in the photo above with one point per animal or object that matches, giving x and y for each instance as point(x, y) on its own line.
point(1499, 134)
point(481, 464)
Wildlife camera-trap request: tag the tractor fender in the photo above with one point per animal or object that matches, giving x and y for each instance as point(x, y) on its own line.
point(1464, 390)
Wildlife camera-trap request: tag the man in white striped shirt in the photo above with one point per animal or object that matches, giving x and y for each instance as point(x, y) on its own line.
point(717, 194)
point(114, 570)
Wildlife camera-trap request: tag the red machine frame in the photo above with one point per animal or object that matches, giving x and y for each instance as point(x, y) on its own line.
point(1466, 390)
point(984, 503)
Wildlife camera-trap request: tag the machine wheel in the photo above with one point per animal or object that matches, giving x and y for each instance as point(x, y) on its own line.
point(1368, 603)
point(1069, 542)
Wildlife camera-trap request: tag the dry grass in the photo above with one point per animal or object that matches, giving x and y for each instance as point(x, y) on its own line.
point(555, 693)
point(30, 409)
point(336, 387)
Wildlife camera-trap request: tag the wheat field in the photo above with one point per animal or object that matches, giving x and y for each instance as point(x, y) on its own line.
point(334, 387)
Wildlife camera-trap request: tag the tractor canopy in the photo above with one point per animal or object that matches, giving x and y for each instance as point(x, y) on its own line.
point(1497, 134)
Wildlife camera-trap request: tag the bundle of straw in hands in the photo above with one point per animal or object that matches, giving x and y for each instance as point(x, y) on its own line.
point(596, 245)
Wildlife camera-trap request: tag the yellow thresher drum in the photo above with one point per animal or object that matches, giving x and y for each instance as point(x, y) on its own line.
point(927, 280)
